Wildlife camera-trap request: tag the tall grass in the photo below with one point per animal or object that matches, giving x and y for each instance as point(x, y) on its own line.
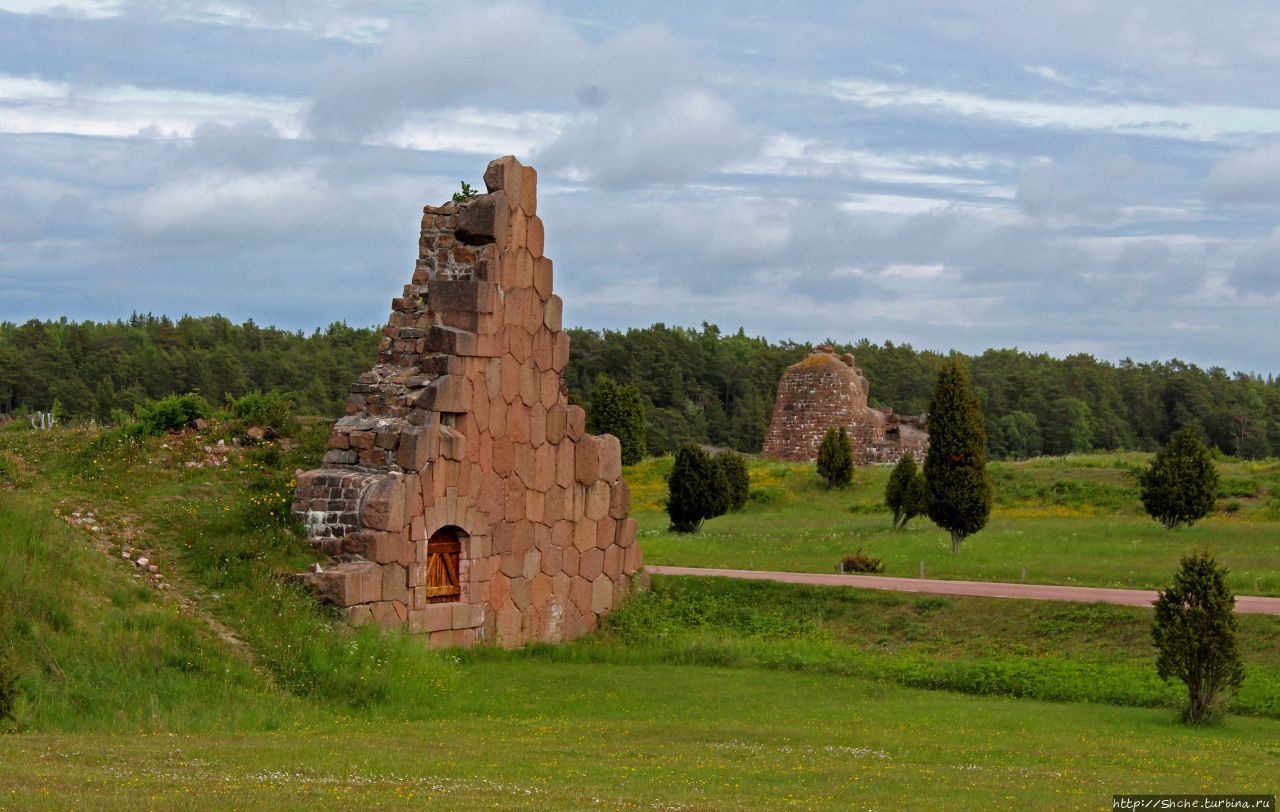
point(94, 649)
point(102, 650)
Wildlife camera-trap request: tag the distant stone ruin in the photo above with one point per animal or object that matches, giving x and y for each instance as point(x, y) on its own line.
point(461, 497)
point(825, 391)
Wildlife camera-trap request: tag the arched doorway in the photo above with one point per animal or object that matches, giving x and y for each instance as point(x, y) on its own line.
point(444, 550)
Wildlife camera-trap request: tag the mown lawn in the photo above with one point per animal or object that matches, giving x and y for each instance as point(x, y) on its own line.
point(1073, 520)
point(531, 734)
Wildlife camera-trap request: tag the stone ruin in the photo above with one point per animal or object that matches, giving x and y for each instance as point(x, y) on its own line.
point(825, 391)
point(460, 497)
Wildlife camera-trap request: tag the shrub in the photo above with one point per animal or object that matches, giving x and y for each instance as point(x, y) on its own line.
point(835, 458)
point(697, 489)
point(861, 562)
point(1180, 485)
point(617, 409)
point(905, 491)
point(273, 411)
point(1195, 634)
point(172, 413)
point(737, 481)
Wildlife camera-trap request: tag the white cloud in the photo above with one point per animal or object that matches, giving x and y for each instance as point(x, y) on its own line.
point(1257, 271)
point(630, 109)
point(1094, 183)
point(1203, 122)
point(676, 137)
point(40, 106)
point(1248, 176)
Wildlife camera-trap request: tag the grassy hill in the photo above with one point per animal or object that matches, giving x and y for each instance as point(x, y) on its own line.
point(220, 686)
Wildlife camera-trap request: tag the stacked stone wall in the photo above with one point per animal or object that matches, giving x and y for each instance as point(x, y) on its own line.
point(824, 391)
point(463, 425)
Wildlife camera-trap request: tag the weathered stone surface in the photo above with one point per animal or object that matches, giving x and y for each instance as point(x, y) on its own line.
point(601, 594)
point(610, 458)
point(384, 505)
point(587, 458)
point(448, 393)
point(349, 583)
point(619, 500)
point(417, 448)
point(557, 417)
point(395, 584)
point(462, 430)
point(553, 316)
point(483, 219)
point(577, 422)
point(825, 391)
point(535, 238)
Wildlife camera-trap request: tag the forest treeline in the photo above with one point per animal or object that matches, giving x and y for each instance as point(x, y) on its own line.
point(91, 369)
point(698, 385)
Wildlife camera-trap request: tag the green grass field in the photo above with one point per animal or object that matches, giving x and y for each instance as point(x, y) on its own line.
point(233, 690)
point(533, 734)
point(1074, 520)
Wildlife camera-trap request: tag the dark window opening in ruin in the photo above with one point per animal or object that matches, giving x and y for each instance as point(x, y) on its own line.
point(444, 552)
point(449, 419)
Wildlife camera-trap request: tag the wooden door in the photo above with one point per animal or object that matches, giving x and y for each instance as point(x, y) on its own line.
point(443, 552)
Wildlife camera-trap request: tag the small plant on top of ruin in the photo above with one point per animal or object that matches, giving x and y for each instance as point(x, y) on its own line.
point(835, 458)
point(958, 492)
point(697, 490)
point(466, 193)
point(861, 562)
point(905, 491)
point(1195, 634)
point(1181, 484)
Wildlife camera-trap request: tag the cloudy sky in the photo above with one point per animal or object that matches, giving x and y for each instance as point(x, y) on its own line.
point(1092, 176)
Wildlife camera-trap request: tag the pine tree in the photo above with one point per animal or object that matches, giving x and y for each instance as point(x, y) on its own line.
point(696, 489)
point(738, 482)
point(835, 458)
point(617, 409)
point(905, 492)
point(1181, 484)
point(1195, 634)
point(958, 491)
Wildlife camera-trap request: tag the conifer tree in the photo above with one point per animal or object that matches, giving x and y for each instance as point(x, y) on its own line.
point(1195, 634)
point(835, 458)
point(1181, 484)
point(617, 409)
point(957, 489)
point(905, 492)
point(696, 489)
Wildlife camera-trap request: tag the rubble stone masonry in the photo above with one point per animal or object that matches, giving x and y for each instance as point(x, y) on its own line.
point(825, 391)
point(461, 497)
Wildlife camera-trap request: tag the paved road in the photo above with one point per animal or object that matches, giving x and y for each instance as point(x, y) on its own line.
point(977, 589)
